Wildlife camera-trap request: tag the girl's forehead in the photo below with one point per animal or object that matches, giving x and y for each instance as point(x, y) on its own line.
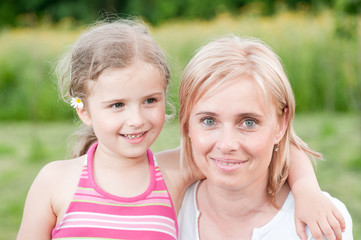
point(130, 71)
point(123, 80)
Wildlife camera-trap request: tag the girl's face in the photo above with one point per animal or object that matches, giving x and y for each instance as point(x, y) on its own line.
point(233, 132)
point(126, 109)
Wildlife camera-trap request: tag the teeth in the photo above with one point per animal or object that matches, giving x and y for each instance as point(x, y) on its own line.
point(133, 136)
point(228, 164)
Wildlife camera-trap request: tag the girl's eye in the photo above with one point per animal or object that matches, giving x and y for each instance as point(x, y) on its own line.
point(208, 122)
point(249, 123)
point(150, 100)
point(117, 105)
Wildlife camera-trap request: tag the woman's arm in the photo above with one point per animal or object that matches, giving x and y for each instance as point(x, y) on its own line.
point(313, 208)
point(176, 178)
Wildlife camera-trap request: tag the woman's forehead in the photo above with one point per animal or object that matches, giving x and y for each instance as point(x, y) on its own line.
point(238, 93)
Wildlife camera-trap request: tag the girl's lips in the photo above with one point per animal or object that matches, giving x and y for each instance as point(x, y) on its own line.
point(134, 138)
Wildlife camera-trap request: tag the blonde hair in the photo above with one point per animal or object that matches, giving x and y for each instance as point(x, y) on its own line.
point(116, 44)
point(228, 58)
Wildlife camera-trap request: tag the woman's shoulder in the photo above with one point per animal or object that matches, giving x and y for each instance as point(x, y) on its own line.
point(169, 162)
point(188, 214)
point(172, 155)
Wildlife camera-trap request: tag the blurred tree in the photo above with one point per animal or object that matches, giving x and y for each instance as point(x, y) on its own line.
point(8, 11)
point(28, 12)
point(345, 17)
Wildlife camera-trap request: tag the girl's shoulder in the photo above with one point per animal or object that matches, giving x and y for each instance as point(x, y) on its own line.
point(60, 179)
point(49, 196)
point(61, 169)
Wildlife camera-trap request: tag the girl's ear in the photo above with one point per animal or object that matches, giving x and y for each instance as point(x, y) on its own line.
point(282, 125)
point(84, 115)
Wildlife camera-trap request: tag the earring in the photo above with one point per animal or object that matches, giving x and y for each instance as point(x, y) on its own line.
point(276, 147)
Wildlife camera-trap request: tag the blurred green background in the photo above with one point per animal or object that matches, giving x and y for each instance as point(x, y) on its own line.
point(319, 43)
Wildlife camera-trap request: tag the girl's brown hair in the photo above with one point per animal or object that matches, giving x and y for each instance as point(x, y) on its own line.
point(116, 44)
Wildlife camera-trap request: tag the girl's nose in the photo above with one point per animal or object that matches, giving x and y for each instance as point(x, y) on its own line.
point(135, 117)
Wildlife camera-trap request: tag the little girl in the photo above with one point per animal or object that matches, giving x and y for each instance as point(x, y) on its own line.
point(117, 78)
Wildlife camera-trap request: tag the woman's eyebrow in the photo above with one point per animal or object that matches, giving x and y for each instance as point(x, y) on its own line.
point(213, 114)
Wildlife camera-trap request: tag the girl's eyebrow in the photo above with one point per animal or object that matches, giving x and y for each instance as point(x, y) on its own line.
point(124, 99)
point(154, 94)
point(113, 100)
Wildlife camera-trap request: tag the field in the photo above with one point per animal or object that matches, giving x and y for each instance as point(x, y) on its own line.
point(323, 67)
point(25, 148)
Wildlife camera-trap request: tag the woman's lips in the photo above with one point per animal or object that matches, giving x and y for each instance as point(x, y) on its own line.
point(227, 164)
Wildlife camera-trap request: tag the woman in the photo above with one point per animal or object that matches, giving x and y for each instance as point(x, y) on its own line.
point(243, 148)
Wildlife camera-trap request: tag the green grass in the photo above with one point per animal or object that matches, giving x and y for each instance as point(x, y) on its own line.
point(26, 147)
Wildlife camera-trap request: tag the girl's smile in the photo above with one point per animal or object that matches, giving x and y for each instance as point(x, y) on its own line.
point(135, 138)
point(126, 109)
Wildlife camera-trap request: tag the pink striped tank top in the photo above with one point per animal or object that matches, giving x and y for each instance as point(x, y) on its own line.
point(96, 214)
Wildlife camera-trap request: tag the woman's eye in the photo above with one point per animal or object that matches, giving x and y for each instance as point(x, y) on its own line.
point(117, 105)
point(249, 123)
point(150, 100)
point(208, 121)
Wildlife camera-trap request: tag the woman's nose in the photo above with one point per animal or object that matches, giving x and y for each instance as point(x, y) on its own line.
point(228, 140)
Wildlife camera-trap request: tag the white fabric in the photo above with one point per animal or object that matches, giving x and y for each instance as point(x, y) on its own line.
point(281, 227)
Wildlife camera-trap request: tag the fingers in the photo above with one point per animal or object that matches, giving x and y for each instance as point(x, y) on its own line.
point(340, 219)
point(336, 228)
point(316, 231)
point(300, 229)
point(327, 230)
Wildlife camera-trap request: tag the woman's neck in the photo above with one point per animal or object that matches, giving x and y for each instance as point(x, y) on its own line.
point(233, 203)
point(234, 214)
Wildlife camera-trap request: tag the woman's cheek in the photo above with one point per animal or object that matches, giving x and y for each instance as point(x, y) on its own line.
point(202, 140)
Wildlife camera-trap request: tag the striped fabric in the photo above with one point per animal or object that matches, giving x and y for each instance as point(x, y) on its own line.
point(96, 214)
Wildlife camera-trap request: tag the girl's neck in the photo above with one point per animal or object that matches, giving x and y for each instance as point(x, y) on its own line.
point(123, 177)
point(103, 157)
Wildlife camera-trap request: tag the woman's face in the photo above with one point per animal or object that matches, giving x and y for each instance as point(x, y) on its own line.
point(233, 132)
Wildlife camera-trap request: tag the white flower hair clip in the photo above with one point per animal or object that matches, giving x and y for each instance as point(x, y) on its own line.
point(77, 103)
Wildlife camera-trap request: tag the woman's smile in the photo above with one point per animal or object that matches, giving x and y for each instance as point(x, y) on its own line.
point(228, 164)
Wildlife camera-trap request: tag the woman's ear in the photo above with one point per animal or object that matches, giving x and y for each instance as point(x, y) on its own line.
point(84, 115)
point(282, 124)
